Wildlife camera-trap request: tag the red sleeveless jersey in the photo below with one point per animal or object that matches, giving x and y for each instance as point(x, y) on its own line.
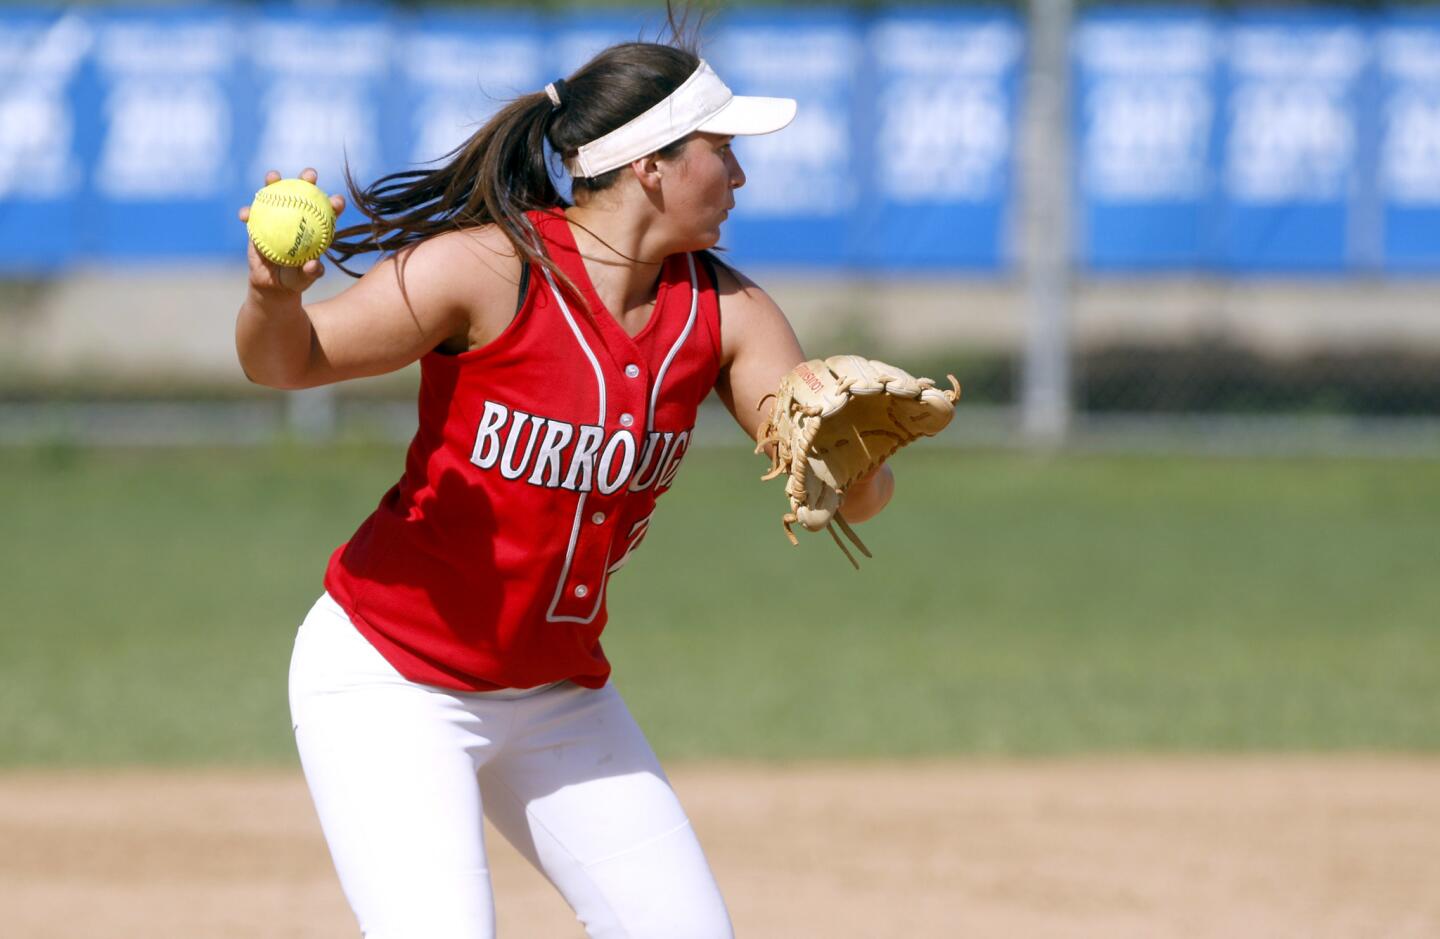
point(531, 479)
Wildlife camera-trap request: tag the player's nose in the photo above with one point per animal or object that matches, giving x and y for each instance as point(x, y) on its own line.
point(737, 175)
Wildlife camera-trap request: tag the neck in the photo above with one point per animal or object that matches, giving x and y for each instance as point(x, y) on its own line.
point(621, 254)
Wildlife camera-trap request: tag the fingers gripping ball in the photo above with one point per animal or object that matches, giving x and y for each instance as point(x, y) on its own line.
point(291, 222)
point(835, 421)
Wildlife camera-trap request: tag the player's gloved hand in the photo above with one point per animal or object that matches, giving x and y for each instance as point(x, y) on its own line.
point(834, 422)
point(266, 276)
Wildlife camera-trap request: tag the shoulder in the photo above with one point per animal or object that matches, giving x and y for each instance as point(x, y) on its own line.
point(740, 296)
point(748, 314)
point(471, 255)
point(471, 270)
point(737, 289)
point(727, 278)
point(457, 287)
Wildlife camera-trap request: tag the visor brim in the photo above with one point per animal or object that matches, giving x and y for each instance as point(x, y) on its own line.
point(747, 116)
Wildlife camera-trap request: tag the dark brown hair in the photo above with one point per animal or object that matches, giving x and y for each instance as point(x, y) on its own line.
point(499, 174)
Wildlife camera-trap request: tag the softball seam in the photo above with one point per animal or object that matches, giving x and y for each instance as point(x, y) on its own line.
point(325, 223)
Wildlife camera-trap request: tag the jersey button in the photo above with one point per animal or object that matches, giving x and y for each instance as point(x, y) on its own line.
point(598, 518)
point(626, 420)
point(632, 371)
point(581, 591)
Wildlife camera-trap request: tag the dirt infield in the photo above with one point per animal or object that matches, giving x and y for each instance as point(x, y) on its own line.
point(1192, 847)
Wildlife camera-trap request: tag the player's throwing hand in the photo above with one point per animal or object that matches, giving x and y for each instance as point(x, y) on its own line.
point(269, 275)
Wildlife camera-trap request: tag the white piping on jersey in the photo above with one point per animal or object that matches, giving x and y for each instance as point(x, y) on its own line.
point(550, 616)
point(675, 349)
point(584, 346)
point(579, 503)
point(649, 427)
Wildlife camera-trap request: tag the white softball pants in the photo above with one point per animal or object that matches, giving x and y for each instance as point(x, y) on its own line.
point(401, 772)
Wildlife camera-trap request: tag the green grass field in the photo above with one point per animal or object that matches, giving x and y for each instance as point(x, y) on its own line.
point(1016, 605)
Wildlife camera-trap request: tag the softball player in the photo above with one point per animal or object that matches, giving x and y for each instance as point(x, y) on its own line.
point(453, 665)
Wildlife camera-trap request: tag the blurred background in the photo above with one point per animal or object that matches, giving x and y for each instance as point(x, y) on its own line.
point(1175, 225)
point(1182, 259)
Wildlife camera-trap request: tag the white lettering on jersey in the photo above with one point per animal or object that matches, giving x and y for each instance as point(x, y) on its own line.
point(555, 454)
point(487, 437)
point(508, 468)
point(608, 484)
point(667, 478)
point(557, 435)
point(582, 463)
point(650, 458)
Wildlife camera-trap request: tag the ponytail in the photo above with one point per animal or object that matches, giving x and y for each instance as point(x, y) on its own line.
point(495, 177)
point(499, 174)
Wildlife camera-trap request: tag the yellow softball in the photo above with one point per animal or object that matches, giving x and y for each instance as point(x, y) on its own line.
point(291, 222)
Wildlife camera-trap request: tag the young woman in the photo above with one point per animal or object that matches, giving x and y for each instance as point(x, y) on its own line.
point(453, 664)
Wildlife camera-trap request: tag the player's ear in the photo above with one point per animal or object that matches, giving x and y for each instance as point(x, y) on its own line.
point(649, 170)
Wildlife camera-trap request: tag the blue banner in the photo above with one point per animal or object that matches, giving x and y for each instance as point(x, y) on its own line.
point(1408, 57)
point(1144, 114)
point(577, 37)
point(1289, 165)
point(43, 139)
point(320, 93)
point(1249, 143)
point(802, 184)
point(454, 72)
point(134, 135)
point(163, 178)
point(941, 131)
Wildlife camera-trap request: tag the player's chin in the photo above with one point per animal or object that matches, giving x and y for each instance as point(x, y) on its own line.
point(709, 237)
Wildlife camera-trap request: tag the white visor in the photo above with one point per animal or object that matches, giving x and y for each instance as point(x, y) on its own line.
point(702, 103)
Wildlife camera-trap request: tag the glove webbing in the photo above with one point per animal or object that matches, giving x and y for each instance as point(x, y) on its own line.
point(849, 533)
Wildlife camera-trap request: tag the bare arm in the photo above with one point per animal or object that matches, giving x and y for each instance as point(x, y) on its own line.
point(457, 288)
point(758, 348)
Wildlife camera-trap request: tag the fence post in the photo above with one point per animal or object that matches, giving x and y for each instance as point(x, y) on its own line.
point(1045, 405)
